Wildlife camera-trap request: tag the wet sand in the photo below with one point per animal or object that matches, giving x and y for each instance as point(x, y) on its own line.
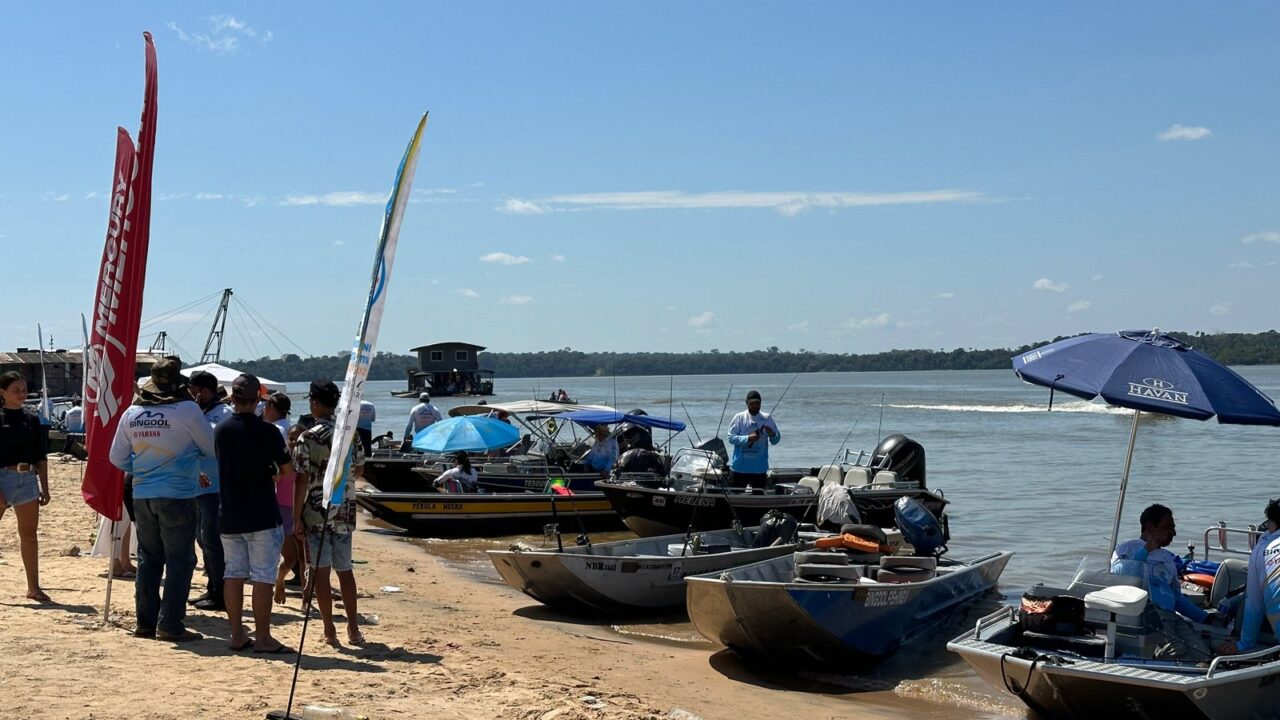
point(452, 643)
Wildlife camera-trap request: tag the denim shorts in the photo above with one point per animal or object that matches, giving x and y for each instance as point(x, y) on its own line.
point(337, 550)
point(19, 488)
point(254, 555)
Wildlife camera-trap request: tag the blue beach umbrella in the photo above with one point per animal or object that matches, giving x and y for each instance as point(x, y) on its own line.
point(1149, 372)
point(469, 432)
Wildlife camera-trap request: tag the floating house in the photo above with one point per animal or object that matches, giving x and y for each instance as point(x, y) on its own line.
point(449, 368)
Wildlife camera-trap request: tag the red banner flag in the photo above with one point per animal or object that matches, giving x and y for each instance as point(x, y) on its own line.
point(117, 304)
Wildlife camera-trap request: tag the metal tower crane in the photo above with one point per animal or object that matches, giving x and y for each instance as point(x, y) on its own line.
point(214, 340)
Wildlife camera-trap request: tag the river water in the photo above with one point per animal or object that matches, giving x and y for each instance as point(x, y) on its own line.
point(1042, 484)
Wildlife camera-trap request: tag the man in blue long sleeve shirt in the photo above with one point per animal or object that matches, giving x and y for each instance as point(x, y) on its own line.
point(1262, 589)
point(1147, 557)
point(751, 432)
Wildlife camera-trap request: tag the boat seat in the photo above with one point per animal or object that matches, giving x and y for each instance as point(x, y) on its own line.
point(1231, 575)
point(810, 482)
point(884, 478)
point(830, 474)
point(1117, 601)
point(856, 477)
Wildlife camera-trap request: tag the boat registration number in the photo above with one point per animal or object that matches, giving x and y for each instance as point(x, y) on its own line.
point(886, 598)
point(697, 501)
point(433, 506)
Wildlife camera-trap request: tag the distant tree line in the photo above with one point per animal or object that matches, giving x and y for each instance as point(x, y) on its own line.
point(1231, 348)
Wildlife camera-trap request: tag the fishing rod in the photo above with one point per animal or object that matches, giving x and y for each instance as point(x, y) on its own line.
point(724, 409)
point(784, 393)
point(835, 460)
point(880, 427)
point(691, 425)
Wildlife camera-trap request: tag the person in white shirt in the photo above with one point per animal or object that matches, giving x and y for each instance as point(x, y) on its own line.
point(73, 420)
point(603, 453)
point(423, 415)
point(751, 432)
point(364, 425)
point(458, 479)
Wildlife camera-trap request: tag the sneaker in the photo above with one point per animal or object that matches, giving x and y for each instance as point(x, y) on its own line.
point(144, 632)
point(210, 603)
point(184, 636)
point(198, 599)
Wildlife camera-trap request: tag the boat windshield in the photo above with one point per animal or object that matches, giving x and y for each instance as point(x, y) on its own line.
point(690, 461)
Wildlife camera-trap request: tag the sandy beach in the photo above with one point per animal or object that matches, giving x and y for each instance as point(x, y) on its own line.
point(445, 646)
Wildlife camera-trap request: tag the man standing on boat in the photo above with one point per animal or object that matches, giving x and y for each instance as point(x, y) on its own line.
point(1262, 589)
point(204, 390)
point(423, 415)
point(751, 432)
point(364, 425)
point(1146, 557)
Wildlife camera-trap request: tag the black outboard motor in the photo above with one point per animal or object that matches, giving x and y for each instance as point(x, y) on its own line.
point(640, 460)
point(631, 436)
point(902, 455)
point(715, 445)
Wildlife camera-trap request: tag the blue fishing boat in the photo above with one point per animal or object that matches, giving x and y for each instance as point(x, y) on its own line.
point(787, 609)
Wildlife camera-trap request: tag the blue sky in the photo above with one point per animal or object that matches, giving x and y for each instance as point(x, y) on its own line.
point(847, 177)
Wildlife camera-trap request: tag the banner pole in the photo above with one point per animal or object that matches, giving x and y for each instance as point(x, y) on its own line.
point(111, 574)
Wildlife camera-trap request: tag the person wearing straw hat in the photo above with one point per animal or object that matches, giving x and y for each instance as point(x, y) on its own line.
point(161, 440)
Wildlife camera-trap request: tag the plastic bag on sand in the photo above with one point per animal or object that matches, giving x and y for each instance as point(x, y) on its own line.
point(390, 589)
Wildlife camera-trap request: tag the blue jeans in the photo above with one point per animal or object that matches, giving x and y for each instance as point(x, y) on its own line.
point(166, 546)
point(210, 510)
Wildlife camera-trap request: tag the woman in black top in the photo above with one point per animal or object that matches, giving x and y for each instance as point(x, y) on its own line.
point(24, 473)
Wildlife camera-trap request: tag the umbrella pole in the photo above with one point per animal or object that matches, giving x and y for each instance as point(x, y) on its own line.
point(1124, 484)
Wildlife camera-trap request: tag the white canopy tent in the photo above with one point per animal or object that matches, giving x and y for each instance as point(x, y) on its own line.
point(225, 375)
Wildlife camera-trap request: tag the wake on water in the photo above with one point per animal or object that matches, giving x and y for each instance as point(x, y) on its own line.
point(1070, 406)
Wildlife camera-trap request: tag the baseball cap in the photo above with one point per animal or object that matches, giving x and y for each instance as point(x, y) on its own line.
point(753, 395)
point(281, 402)
point(245, 387)
point(325, 392)
point(424, 397)
point(203, 379)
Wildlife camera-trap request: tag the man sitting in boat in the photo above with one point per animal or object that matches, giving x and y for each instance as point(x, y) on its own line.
point(1146, 557)
point(603, 453)
point(1262, 589)
point(460, 478)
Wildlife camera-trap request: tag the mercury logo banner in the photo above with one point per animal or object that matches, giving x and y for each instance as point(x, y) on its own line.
point(1157, 389)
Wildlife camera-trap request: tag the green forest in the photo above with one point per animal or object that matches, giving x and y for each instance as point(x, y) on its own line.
point(1231, 348)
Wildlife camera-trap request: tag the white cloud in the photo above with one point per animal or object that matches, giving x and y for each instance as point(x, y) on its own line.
point(55, 197)
point(1079, 305)
point(171, 196)
point(341, 198)
point(1096, 278)
point(1243, 265)
point(1184, 132)
point(784, 202)
point(91, 195)
point(338, 242)
point(1220, 309)
point(468, 293)
point(944, 296)
point(505, 259)
point(1048, 285)
point(516, 300)
point(703, 320)
point(1271, 236)
point(223, 36)
point(210, 196)
point(557, 258)
point(516, 206)
point(875, 321)
point(800, 327)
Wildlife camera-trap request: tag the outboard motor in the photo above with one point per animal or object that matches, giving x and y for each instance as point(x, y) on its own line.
point(776, 528)
point(639, 460)
point(715, 445)
point(919, 527)
point(631, 436)
point(902, 455)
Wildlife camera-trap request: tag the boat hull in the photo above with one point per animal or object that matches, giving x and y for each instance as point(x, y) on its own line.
point(466, 514)
point(650, 511)
point(1088, 690)
point(839, 622)
point(615, 583)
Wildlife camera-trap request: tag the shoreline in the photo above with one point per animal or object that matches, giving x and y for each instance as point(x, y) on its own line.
point(445, 646)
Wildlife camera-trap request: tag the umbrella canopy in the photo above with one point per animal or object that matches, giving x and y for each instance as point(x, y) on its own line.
point(469, 433)
point(1146, 371)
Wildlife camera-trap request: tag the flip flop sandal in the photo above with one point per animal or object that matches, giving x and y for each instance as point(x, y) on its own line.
point(248, 643)
point(277, 650)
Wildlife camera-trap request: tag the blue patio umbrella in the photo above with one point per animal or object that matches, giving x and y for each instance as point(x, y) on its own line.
point(1145, 371)
point(469, 433)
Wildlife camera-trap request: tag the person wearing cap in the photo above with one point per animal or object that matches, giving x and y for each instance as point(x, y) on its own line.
point(161, 440)
point(751, 432)
point(423, 415)
point(364, 425)
point(327, 531)
point(251, 454)
point(204, 389)
point(73, 418)
point(603, 453)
